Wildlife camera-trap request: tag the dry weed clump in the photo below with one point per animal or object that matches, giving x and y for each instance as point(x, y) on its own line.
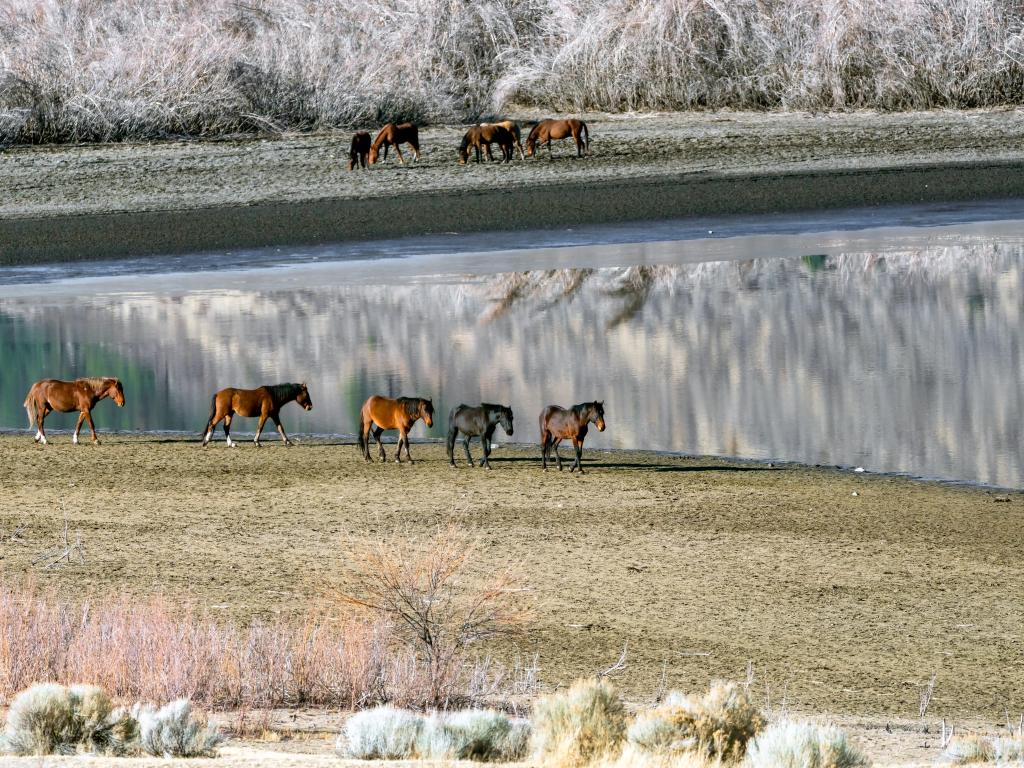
point(583, 725)
point(792, 744)
point(970, 748)
point(172, 731)
point(717, 725)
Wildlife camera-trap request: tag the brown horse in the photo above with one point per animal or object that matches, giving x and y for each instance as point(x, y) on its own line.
point(393, 135)
point(481, 137)
point(558, 423)
point(547, 131)
point(264, 402)
point(65, 396)
point(359, 151)
point(512, 127)
point(380, 413)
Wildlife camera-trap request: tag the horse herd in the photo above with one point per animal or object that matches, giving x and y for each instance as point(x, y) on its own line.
point(478, 139)
point(377, 414)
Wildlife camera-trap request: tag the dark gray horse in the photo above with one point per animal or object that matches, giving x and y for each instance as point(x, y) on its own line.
point(481, 422)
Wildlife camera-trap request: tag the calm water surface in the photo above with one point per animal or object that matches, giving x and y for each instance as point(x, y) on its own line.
point(896, 349)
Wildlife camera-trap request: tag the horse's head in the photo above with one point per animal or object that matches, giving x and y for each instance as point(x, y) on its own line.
point(597, 415)
point(373, 154)
point(427, 412)
point(116, 392)
point(505, 419)
point(303, 397)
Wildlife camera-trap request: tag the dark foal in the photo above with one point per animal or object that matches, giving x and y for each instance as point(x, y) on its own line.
point(479, 421)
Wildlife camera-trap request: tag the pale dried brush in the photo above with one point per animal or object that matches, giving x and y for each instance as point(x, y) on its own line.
point(585, 724)
point(173, 731)
point(794, 744)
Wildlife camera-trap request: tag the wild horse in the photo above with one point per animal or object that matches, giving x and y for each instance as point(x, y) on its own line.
point(481, 422)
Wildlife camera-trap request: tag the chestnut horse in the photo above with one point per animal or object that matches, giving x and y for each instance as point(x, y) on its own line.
point(481, 137)
point(264, 402)
point(393, 135)
point(359, 151)
point(547, 131)
point(512, 127)
point(380, 413)
point(558, 423)
point(65, 396)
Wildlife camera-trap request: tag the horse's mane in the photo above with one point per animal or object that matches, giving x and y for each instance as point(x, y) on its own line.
point(282, 393)
point(95, 382)
point(534, 131)
point(495, 407)
point(582, 407)
point(465, 141)
point(411, 405)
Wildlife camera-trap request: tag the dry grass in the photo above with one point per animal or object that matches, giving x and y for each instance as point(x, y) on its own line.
point(583, 725)
point(130, 69)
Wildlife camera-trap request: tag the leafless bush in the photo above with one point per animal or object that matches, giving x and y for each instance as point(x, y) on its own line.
point(87, 71)
point(442, 601)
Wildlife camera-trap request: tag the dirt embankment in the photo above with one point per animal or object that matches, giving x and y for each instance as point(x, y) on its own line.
point(846, 592)
point(77, 202)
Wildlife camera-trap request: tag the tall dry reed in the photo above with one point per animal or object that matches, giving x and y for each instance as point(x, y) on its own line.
point(83, 70)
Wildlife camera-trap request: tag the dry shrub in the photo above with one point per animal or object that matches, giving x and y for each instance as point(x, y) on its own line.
point(131, 69)
point(585, 724)
point(381, 733)
point(172, 731)
point(790, 744)
point(150, 650)
point(717, 725)
point(473, 734)
point(1008, 749)
point(970, 748)
point(48, 719)
point(442, 600)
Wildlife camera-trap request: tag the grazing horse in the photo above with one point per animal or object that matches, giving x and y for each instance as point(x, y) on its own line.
point(264, 402)
point(558, 423)
point(65, 396)
point(380, 413)
point(393, 135)
point(512, 127)
point(359, 151)
point(477, 422)
point(547, 131)
point(481, 137)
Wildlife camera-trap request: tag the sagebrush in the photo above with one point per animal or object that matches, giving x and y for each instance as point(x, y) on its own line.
point(793, 744)
point(129, 69)
point(579, 726)
point(173, 731)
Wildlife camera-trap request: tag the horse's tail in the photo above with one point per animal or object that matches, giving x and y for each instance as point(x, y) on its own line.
point(453, 432)
point(213, 412)
point(30, 407)
point(361, 436)
point(586, 137)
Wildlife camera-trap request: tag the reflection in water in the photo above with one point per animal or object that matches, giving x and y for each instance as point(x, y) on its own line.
point(903, 362)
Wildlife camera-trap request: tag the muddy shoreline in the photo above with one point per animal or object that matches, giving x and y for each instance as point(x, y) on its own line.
point(112, 201)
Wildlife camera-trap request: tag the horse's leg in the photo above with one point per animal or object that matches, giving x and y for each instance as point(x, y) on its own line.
point(377, 432)
point(41, 416)
point(280, 428)
point(259, 427)
point(401, 440)
point(449, 443)
point(465, 445)
point(551, 157)
point(227, 430)
point(545, 437)
point(211, 425)
point(558, 458)
point(78, 428)
point(401, 159)
point(415, 150)
point(92, 427)
point(577, 444)
point(487, 451)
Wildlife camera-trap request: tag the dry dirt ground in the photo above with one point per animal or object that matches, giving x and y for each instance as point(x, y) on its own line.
point(844, 592)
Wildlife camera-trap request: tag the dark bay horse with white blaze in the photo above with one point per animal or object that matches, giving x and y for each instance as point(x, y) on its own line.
point(481, 422)
point(81, 395)
point(558, 423)
point(379, 413)
point(265, 402)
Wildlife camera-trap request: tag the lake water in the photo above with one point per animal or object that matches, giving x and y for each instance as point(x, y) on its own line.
point(894, 345)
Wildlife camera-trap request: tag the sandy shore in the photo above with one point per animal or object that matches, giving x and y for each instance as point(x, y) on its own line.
point(86, 202)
